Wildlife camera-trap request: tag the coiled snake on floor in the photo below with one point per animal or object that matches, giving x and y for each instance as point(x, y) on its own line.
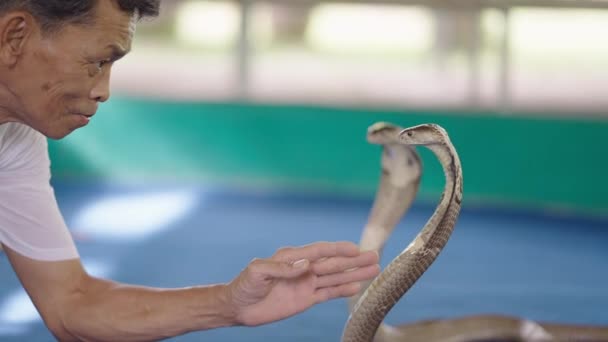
point(399, 182)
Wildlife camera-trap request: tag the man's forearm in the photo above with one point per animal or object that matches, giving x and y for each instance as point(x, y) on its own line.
point(108, 311)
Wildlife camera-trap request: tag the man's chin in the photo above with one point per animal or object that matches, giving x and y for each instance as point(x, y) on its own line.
point(57, 134)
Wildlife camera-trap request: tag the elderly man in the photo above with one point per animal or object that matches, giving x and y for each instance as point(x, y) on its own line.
point(55, 62)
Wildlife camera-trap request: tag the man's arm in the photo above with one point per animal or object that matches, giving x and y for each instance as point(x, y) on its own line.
point(77, 307)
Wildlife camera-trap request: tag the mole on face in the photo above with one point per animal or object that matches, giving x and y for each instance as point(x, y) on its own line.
point(46, 86)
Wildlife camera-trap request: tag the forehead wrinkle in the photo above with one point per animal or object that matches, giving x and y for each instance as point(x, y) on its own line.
point(132, 24)
point(123, 25)
point(127, 36)
point(119, 44)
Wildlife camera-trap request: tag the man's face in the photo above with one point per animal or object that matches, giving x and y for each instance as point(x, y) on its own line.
point(65, 75)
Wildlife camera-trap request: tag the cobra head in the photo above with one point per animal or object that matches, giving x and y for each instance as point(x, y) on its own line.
point(400, 163)
point(383, 133)
point(426, 134)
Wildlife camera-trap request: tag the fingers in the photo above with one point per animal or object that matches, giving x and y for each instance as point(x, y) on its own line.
point(318, 251)
point(341, 264)
point(345, 290)
point(357, 275)
point(266, 269)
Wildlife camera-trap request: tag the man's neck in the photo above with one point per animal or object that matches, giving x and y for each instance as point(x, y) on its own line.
point(7, 104)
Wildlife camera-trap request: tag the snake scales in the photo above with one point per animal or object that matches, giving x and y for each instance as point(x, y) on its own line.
point(400, 179)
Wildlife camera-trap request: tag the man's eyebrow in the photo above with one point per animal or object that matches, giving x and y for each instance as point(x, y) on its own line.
point(117, 51)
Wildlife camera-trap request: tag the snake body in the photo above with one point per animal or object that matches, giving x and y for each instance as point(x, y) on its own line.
point(399, 183)
point(405, 269)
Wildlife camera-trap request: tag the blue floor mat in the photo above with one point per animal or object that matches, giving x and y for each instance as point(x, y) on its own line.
point(536, 266)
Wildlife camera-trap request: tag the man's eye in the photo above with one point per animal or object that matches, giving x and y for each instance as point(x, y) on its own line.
point(101, 64)
point(97, 67)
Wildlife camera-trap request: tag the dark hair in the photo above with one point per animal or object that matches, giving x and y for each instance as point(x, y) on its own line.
point(52, 14)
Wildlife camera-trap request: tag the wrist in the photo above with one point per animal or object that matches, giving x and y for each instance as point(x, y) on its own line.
point(217, 311)
point(226, 304)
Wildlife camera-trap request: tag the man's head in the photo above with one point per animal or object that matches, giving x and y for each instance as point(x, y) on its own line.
point(56, 56)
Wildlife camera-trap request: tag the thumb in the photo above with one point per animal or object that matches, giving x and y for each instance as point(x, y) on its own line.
point(279, 269)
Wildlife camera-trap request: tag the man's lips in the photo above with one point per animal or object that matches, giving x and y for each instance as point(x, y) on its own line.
point(84, 117)
point(87, 116)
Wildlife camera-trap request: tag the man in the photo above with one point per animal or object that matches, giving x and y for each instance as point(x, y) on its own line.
point(55, 61)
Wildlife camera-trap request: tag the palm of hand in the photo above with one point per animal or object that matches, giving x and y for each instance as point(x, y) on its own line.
point(276, 299)
point(272, 289)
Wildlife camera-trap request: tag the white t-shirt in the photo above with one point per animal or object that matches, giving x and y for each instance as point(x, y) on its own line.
point(30, 220)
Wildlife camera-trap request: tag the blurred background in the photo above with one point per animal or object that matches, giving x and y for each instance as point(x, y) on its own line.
point(238, 127)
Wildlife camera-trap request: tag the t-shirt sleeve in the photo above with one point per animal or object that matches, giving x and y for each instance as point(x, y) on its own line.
point(30, 220)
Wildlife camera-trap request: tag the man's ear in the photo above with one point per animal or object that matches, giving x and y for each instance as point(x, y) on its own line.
point(15, 29)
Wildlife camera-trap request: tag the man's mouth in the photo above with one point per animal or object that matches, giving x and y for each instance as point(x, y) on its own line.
point(85, 117)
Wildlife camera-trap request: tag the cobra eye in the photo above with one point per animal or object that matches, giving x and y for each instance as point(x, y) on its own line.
point(410, 133)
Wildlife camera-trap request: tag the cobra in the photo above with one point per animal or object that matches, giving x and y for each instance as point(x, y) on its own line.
point(399, 183)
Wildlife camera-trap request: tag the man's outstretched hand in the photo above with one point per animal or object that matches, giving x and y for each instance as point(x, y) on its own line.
point(296, 278)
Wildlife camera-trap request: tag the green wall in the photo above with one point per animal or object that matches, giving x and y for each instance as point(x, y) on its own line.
point(515, 160)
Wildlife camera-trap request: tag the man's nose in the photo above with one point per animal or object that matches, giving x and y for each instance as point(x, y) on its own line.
point(101, 90)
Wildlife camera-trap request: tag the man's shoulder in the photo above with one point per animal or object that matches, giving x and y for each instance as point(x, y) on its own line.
point(21, 146)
